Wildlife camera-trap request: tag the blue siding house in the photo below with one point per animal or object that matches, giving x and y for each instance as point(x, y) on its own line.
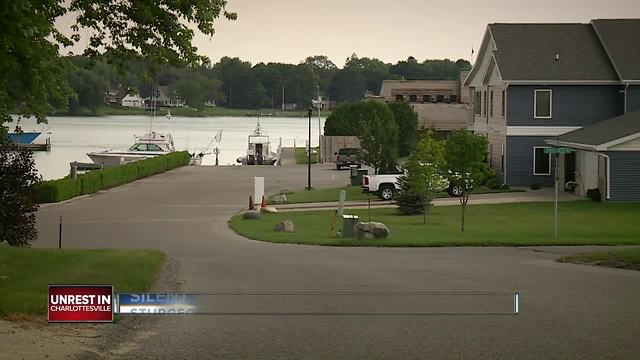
point(533, 83)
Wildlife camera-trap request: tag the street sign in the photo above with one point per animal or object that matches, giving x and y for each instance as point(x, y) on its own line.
point(558, 150)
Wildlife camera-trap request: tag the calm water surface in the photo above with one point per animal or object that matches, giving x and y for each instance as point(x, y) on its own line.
point(73, 137)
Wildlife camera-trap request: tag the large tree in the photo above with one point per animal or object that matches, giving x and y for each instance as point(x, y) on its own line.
point(239, 84)
point(378, 136)
point(34, 78)
point(407, 120)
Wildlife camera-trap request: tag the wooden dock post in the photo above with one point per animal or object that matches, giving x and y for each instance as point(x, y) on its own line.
point(74, 170)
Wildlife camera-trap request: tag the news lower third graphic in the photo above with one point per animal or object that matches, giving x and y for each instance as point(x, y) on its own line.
point(80, 303)
point(99, 303)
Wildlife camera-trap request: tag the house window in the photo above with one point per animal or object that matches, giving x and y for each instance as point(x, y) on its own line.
point(484, 103)
point(440, 98)
point(454, 98)
point(478, 102)
point(447, 98)
point(542, 104)
point(502, 159)
point(504, 101)
point(400, 98)
point(413, 98)
point(491, 103)
point(426, 98)
point(541, 161)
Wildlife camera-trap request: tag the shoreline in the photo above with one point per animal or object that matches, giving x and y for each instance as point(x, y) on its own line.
point(191, 112)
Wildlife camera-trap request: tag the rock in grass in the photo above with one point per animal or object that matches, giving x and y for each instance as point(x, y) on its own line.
point(251, 215)
point(371, 230)
point(284, 226)
point(269, 209)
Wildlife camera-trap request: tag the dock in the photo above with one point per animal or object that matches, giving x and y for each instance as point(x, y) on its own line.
point(46, 146)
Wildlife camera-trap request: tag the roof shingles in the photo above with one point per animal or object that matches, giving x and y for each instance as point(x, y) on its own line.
point(605, 131)
point(621, 39)
point(528, 52)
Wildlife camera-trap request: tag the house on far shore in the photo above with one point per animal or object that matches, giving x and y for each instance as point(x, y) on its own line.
point(442, 105)
point(165, 98)
point(114, 95)
point(536, 86)
point(133, 100)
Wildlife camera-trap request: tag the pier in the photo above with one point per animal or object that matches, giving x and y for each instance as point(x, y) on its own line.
point(46, 146)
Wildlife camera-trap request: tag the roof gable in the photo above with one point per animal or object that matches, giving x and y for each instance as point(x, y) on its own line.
point(606, 133)
point(528, 52)
point(621, 39)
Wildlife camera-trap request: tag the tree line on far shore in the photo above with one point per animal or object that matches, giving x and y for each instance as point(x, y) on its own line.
point(235, 83)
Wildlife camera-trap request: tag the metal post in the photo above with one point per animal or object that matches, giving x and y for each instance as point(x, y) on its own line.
point(319, 129)
point(60, 233)
point(555, 211)
point(309, 165)
point(369, 205)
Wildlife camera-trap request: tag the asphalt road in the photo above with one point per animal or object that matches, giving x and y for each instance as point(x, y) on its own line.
point(567, 311)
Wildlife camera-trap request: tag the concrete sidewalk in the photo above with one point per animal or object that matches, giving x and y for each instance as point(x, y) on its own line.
point(542, 195)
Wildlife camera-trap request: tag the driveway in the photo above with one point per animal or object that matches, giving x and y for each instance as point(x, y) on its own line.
point(567, 311)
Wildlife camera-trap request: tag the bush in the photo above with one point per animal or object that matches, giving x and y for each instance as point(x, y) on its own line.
point(410, 203)
point(594, 194)
point(504, 187)
point(18, 200)
point(492, 183)
point(535, 186)
point(95, 180)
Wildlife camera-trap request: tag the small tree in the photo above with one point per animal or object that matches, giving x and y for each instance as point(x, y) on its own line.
point(18, 203)
point(378, 137)
point(465, 154)
point(423, 176)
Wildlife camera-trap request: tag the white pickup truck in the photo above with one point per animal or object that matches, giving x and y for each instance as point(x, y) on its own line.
point(387, 184)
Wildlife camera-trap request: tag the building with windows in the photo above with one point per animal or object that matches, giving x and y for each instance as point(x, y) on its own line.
point(535, 85)
point(442, 105)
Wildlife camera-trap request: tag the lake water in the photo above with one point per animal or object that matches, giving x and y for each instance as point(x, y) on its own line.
point(73, 137)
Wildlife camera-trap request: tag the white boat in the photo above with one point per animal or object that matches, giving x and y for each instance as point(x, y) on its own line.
point(147, 146)
point(258, 149)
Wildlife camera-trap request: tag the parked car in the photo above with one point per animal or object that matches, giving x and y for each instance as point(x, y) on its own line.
point(386, 185)
point(346, 157)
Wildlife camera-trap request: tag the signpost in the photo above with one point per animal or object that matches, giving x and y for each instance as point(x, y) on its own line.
point(557, 151)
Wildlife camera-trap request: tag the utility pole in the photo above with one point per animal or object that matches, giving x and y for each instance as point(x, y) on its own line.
point(310, 111)
point(319, 129)
point(282, 97)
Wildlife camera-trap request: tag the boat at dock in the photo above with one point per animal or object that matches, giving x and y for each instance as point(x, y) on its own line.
point(258, 149)
point(22, 138)
point(147, 146)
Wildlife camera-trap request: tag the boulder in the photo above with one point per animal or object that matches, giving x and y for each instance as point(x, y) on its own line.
point(371, 230)
point(251, 214)
point(284, 226)
point(269, 209)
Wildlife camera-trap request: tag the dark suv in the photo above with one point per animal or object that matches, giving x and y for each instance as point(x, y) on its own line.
point(346, 157)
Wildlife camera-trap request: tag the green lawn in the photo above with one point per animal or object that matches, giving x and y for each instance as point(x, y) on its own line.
point(353, 193)
point(188, 111)
point(621, 259)
point(25, 274)
point(302, 157)
point(521, 224)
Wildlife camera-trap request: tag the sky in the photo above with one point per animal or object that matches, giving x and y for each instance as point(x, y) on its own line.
point(390, 30)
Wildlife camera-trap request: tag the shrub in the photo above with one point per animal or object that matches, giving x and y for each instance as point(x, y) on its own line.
point(18, 200)
point(504, 187)
point(492, 183)
point(594, 194)
point(535, 186)
point(95, 180)
point(411, 203)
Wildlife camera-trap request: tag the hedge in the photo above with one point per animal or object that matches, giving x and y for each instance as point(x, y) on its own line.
point(95, 180)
